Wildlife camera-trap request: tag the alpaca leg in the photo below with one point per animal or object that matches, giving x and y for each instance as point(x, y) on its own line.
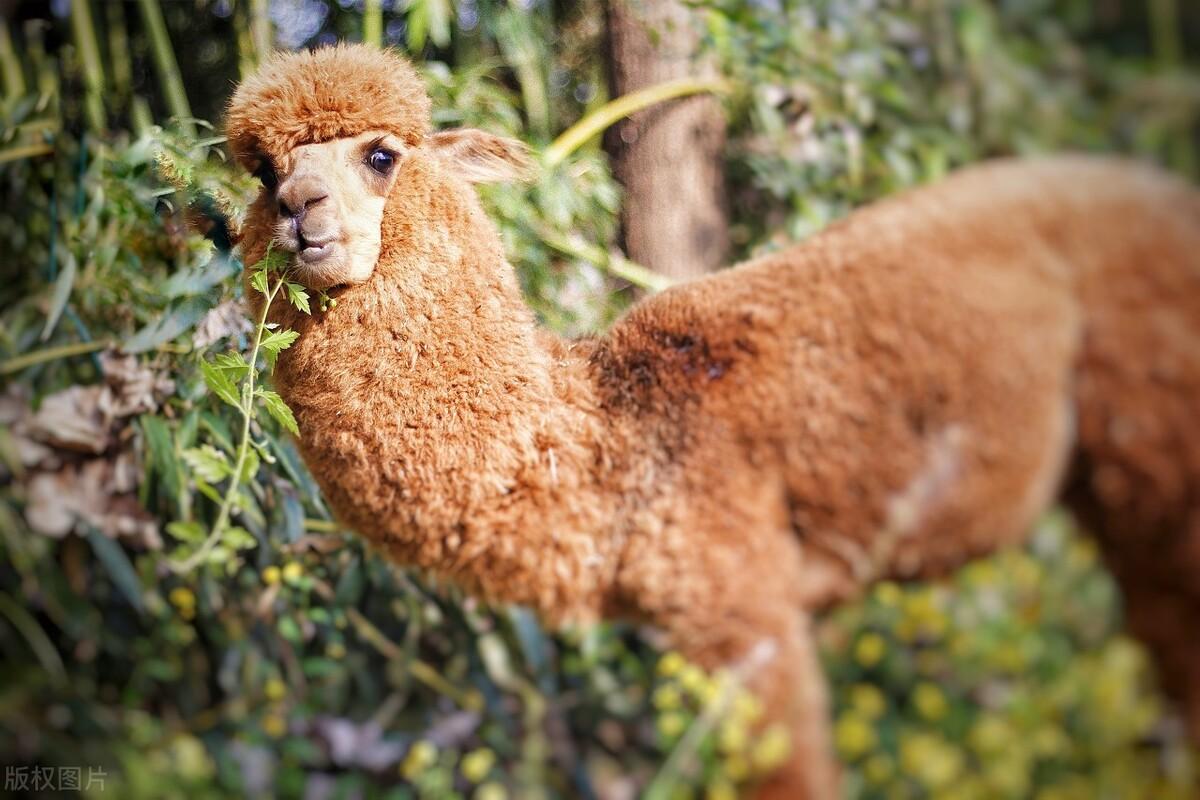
point(773, 653)
point(1162, 604)
point(796, 688)
point(1136, 480)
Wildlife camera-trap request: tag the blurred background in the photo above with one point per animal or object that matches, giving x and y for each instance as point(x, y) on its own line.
point(286, 661)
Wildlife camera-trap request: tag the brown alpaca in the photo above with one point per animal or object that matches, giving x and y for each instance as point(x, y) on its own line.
point(902, 392)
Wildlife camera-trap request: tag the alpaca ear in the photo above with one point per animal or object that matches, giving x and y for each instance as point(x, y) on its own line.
point(481, 157)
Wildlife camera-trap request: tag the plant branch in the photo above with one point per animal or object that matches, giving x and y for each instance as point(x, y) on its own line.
point(575, 136)
point(243, 448)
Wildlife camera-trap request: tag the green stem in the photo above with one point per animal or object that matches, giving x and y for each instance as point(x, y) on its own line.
point(373, 23)
point(420, 670)
point(166, 66)
point(14, 76)
point(84, 34)
point(575, 136)
point(321, 525)
point(20, 362)
point(613, 263)
point(243, 450)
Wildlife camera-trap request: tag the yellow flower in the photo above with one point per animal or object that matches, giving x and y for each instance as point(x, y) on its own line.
point(989, 735)
point(868, 700)
point(270, 575)
point(671, 724)
point(929, 701)
point(670, 664)
point(667, 698)
point(733, 736)
point(746, 706)
point(853, 735)
point(477, 764)
point(720, 790)
point(274, 725)
point(336, 650)
point(693, 680)
point(931, 760)
point(491, 791)
point(869, 649)
point(275, 689)
point(888, 594)
point(736, 767)
point(420, 757)
point(182, 597)
point(292, 571)
point(772, 748)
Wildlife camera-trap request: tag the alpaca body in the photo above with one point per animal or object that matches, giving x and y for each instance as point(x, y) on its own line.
point(891, 398)
point(906, 390)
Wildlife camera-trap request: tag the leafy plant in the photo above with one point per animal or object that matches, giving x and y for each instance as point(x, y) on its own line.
point(234, 379)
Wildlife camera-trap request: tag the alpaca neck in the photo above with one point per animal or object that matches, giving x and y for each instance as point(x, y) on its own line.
point(429, 415)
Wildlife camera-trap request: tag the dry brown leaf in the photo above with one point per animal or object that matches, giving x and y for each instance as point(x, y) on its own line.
point(227, 319)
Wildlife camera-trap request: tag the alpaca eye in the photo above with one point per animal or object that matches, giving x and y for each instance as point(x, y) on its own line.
point(265, 173)
point(381, 161)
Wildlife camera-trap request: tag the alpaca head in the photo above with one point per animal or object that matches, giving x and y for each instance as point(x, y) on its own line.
point(333, 134)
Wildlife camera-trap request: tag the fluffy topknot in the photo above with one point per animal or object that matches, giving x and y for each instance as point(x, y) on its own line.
point(311, 96)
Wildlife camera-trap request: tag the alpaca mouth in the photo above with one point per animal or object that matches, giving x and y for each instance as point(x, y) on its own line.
point(312, 253)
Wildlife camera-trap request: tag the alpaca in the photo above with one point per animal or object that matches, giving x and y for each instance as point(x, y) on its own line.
point(904, 391)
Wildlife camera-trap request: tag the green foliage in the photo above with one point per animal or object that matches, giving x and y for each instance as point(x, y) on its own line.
point(845, 101)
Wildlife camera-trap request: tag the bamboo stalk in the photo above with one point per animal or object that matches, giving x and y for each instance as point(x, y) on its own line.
point(118, 53)
point(83, 31)
point(260, 29)
point(614, 264)
point(25, 151)
point(14, 76)
point(373, 23)
point(517, 43)
point(140, 115)
point(20, 362)
point(45, 69)
point(591, 125)
point(166, 66)
point(1166, 35)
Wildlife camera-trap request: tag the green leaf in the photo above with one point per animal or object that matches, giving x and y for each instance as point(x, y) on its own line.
point(198, 280)
point(290, 630)
point(275, 342)
point(208, 463)
point(298, 297)
point(249, 465)
point(62, 293)
point(238, 538)
point(220, 384)
point(259, 281)
point(161, 449)
point(233, 363)
point(187, 531)
point(180, 318)
point(279, 410)
point(112, 555)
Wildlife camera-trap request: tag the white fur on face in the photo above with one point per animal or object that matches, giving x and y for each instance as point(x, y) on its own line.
point(330, 204)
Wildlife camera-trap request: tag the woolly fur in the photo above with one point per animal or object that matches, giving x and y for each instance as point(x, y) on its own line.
point(906, 390)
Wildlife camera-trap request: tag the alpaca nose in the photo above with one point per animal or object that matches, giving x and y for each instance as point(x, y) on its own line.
point(297, 195)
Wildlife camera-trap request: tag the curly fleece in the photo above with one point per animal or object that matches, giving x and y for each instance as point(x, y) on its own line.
point(904, 391)
point(300, 98)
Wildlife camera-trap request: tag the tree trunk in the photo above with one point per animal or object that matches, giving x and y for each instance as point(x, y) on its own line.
point(668, 157)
